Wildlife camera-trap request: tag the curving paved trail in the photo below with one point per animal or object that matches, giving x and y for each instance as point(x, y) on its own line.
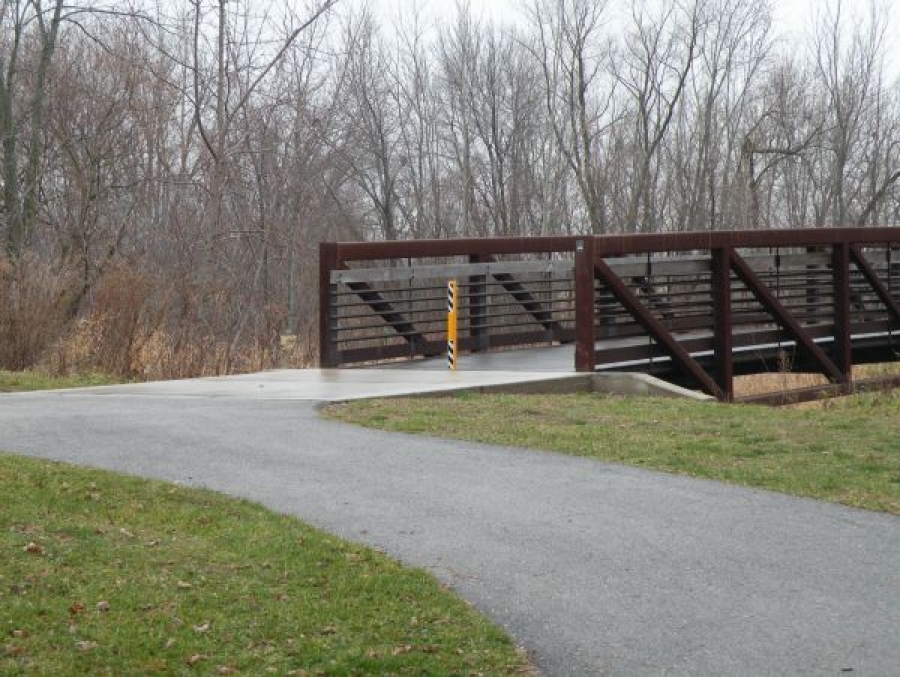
point(596, 569)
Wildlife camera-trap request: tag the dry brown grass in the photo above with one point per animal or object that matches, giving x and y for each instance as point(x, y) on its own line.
point(773, 382)
point(137, 325)
point(32, 309)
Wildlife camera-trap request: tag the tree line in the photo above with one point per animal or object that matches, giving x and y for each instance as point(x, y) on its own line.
point(169, 170)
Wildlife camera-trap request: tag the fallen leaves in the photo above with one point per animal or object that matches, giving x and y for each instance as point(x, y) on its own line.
point(13, 650)
point(152, 596)
point(34, 548)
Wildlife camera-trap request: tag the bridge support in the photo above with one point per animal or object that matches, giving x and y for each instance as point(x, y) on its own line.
point(478, 316)
point(655, 329)
point(722, 321)
point(328, 261)
point(843, 349)
point(585, 305)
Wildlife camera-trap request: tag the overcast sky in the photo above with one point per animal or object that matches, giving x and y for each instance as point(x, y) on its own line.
point(791, 18)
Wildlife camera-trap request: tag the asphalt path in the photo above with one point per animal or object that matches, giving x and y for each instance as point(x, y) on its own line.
point(594, 568)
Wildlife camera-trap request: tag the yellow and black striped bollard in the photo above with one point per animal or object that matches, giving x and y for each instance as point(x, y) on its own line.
point(452, 324)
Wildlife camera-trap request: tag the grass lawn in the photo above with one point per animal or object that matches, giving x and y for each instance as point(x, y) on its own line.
point(847, 452)
point(19, 381)
point(104, 574)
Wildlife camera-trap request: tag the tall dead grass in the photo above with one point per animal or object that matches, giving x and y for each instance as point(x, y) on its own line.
point(775, 382)
point(32, 310)
point(139, 325)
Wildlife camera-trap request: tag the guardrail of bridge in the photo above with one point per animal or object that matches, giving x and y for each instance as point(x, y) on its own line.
point(702, 306)
point(387, 300)
point(737, 302)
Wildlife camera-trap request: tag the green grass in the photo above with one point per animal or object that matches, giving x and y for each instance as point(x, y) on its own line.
point(104, 574)
point(19, 381)
point(848, 452)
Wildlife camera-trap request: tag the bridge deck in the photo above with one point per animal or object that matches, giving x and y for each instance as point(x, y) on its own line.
point(560, 358)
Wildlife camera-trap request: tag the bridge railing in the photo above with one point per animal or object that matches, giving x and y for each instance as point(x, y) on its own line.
point(702, 306)
point(387, 300)
point(743, 301)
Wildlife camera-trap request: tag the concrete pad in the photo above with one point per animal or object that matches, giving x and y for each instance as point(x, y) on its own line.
point(323, 385)
point(642, 385)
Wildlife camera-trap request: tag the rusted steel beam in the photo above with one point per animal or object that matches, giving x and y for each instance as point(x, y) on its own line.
point(382, 353)
point(489, 246)
point(432, 348)
point(722, 321)
point(875, 282)
point(622, 245)
point(535, 308)
point(843, 346)
point(656, 329)
point(327, 263)
point(617, 245)
point(783, 316)
point(395, 319)
point(585, 323)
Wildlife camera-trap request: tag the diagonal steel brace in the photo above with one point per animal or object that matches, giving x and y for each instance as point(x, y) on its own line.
point(655, 328)
point(783, 316)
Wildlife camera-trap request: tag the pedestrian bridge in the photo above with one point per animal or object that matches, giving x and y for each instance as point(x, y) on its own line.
point(694, 308)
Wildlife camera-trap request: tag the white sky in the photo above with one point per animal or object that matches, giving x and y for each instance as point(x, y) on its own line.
point(789, 14)
point(792, 19)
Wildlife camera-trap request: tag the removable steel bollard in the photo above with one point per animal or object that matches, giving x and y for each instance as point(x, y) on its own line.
point(452, 324)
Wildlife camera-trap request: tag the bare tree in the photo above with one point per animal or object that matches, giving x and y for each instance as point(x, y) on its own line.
point(706, 150)
point(654, 69)
point(23, 103)
point(226, 83)
point(848, 68)
point(371, 125)
point(581, 104)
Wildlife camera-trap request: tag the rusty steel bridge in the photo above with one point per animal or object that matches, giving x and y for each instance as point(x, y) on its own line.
point(696, 308)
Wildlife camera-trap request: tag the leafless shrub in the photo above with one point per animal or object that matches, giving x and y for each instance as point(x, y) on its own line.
point(119, 321)
point(32, 312)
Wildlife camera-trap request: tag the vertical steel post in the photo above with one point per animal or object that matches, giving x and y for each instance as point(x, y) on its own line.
point(585, 305)
point(328, 261)
point(478, 329)
point(722, 321)
point(843, 349)
point(452, 325)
